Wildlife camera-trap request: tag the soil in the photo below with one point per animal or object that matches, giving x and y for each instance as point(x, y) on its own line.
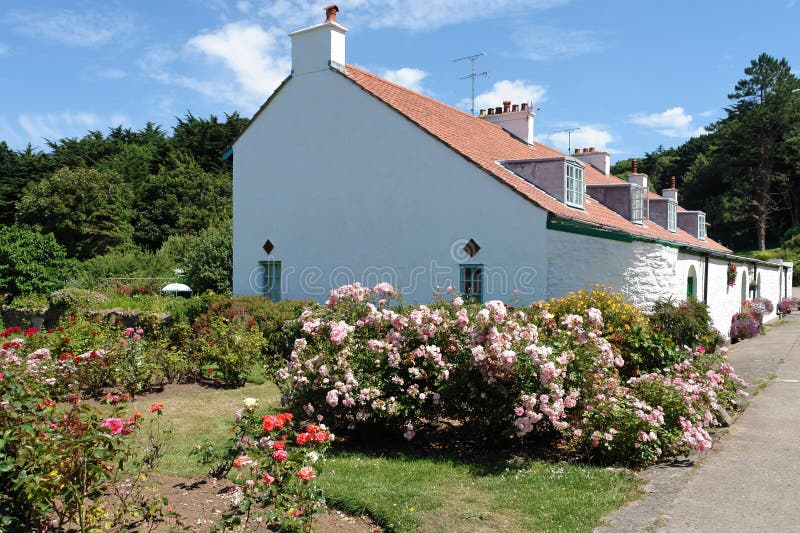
point(200, 503)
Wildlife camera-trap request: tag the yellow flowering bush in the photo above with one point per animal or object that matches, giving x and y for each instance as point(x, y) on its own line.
point(627, 328)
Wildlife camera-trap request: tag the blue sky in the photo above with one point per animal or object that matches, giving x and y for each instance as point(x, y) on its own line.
point(632, 75)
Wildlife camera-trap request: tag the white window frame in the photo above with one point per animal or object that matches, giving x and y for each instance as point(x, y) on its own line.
point(574, 185)
point(672, 216)
point(701, 226)
point(637, 204)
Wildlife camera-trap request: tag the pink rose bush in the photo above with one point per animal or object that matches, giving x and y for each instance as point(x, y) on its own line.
point(502, 372)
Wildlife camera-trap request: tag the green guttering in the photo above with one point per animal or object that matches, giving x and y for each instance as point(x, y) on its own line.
point(228, 153)
point(567, 225)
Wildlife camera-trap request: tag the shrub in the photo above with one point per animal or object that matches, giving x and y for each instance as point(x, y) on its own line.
point(209, 260)
point(276, 469)
point(277, 321)
point(227, 350)
point(90, 355)
point(30, 262)
point(76, 300)
point(642, 347)
point(68, 463)
point(501, 372)
point(687, 323)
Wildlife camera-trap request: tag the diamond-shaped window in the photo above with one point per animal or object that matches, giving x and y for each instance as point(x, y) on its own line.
point(268, 246)
point(472, 248)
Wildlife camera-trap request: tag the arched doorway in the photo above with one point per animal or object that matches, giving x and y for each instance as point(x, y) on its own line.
point(744, 287)
point(691, 283)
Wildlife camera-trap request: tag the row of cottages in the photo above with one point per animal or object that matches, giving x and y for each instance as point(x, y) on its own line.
point(343, 176)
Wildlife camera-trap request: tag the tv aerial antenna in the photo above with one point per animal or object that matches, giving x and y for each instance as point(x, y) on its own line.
point(472, 59)
point(569, 137)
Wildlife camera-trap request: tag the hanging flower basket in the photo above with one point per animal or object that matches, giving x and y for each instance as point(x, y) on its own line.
point(731, 274)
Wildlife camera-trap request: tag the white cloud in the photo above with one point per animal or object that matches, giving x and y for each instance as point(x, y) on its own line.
point(111, 74)
point(35, 127)
point(87, 28)
point(543, 43)
point(587, 135)
point(410, 78)
point(253, 54)
point(257, 58)
point(517, 91)
point(674, 122)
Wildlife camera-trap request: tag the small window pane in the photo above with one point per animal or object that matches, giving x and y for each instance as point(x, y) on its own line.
point(637, 204)
point(672, 216)
point(574, 185)
point(701, 227)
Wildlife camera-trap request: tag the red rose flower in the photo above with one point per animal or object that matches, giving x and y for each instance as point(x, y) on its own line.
point(268, 478)
point(306, 473)
point(280, 455)
point(303, 438)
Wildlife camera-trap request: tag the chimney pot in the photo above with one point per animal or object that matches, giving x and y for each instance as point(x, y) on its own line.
point(506, 106)
point(498, 110)
point(524, 106)
point(672, 182)
point(330, 13)
point(585, 150)
point(490, 111)
point(577, 150)
point(515, 107)
point(634, 166)
point(591, 149)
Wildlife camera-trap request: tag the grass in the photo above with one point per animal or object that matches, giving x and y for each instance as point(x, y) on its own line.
point(205, 416)
point(403, 493)
point(410, 494)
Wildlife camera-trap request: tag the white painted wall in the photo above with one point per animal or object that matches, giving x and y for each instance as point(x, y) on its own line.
point(646, 272)
point(643, 272)
point(349, 190)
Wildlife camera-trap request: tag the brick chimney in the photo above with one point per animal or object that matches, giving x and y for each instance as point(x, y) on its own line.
point(636, 177)
point(319, 47)
point(599, 160)
point(516, 119)
point(672, 192)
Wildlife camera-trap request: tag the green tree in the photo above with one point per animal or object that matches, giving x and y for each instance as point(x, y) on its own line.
point(87, 210)
point(758, 123)
point(29, 261)
point(207, 139)
point(17, 169)
point(209, 260)
point(181, 198)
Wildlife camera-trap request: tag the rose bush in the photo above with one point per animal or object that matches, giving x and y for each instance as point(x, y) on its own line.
point(65, 463)
point(501, 371)
point(276, 465)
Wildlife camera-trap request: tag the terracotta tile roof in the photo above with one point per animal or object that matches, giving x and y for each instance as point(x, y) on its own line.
point(484, 144)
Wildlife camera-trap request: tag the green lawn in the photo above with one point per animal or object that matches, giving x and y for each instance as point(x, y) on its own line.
point(404, 493)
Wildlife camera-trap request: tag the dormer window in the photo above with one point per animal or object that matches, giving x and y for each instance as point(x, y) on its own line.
point(672, 216)
point(574, 187)
point(701, 226)
point(637, 204)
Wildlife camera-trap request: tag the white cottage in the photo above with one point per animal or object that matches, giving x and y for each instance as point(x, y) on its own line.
point(342, 176)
